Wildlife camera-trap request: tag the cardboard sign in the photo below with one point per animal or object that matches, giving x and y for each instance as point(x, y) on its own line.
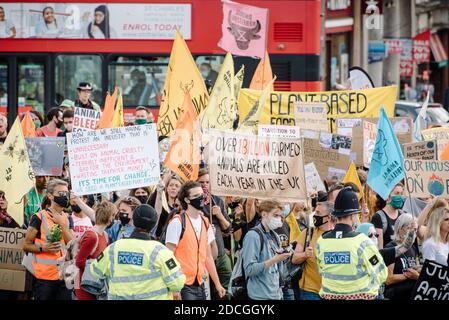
point(336, 142)
point(46, 155)
point(85, 119)
point(369, 141)
point(402, 126)
point(423, 150)
point(313, 179)
point(324, 158)
point(311, 116)
point(113, 159)
point(441, 135)
point(290, 132)
point(433, 282)
point(426, 177)
point(253, 166)
point(11, 253)
point(15, 280)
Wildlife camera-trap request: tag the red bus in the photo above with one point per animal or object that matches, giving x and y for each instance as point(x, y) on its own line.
point(45, 60)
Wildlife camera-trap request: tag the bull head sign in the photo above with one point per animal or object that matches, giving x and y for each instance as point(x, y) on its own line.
point(243, 34)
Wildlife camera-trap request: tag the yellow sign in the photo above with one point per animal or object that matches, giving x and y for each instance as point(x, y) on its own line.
point(280, 105)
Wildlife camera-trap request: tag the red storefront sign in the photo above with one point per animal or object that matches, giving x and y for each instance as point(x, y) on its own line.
point(421, 47)
point(395, 46)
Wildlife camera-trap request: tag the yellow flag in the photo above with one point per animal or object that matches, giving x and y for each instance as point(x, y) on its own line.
point(118, 120)
point(16, 173)
point(183, 75)
point(221, 110)
point(238, 82)
point(250, 122)
point(294, 227)
point(263, 75)
point(352, 176)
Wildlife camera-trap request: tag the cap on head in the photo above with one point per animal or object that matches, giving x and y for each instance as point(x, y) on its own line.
point(346, 203)
point(84, 86)
point(67, 103)
point(144, 217)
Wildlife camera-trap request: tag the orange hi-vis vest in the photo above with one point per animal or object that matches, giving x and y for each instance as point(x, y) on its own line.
point(192, 252)
point(45, 264)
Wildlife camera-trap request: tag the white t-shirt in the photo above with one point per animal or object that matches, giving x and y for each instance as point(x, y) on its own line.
point(80, 225)
point(435, 251)
point(5, 28)
point(175, 227)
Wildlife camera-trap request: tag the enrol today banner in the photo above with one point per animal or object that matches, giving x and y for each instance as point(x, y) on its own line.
point(280, 105)
point(426, 177)
point(254, 166)
point(155, 21)
point(85, 119)
point(113, 159)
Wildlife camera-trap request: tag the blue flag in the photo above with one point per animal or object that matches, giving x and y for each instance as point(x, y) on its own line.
point(387, 163)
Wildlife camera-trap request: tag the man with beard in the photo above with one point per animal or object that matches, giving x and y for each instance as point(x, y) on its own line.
point(55, 122)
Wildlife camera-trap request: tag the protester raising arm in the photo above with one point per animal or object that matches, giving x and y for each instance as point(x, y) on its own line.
point(85, 208)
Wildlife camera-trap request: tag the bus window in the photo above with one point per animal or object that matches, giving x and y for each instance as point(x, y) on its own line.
point(3, 87)
point(72, 69)
point(31, 85)
point(141, 79)
point(209, 67)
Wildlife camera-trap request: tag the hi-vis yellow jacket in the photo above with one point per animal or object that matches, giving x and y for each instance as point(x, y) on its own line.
point(139, 269)
point(350, 265)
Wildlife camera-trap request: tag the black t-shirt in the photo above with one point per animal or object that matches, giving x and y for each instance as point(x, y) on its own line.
point(284, 234)
point(376, 220)
point(402, 290)
point(35, 222)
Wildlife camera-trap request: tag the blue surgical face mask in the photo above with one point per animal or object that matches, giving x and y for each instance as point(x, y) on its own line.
point(205, 74)
point(286, 210)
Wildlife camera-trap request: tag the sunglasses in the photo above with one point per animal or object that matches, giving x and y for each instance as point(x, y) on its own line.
point(62, 194)
point(371, 235)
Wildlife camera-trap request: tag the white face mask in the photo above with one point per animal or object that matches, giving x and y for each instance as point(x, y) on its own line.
point(274, 223)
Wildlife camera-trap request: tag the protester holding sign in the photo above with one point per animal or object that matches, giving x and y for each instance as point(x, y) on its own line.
point(436, 245)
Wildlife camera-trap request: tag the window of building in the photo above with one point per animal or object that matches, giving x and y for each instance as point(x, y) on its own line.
point(70, 70)
point(3, 87)
point(31, 83)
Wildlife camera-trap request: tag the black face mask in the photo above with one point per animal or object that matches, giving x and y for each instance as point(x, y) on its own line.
point(124, 218)
point(90, 201)
point(76, 208)
point(318, 221)
point(142, 199)
point(197, 203)
point(62, 201)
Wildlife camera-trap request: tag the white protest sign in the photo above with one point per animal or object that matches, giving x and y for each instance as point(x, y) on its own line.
point(313, 179)
point(254, 166)
point(85, 119)
point(291, 132)
point(311, 116)
point(113, 159)
point(369, 141)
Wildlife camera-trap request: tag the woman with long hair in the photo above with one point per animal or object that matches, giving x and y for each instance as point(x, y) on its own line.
point(165, 199)
point(427, 212)
point(436, 245)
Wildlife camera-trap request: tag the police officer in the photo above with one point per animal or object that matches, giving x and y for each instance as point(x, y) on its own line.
point(84, 91)
point(350, 265)
point(138, 268)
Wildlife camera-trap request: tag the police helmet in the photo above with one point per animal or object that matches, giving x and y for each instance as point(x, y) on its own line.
point(144, 217)
point(346, 203)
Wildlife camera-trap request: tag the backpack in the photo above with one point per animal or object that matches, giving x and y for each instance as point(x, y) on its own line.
point(383, 217)
point(182, 218)
point(68, 271)
point(237, 283)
